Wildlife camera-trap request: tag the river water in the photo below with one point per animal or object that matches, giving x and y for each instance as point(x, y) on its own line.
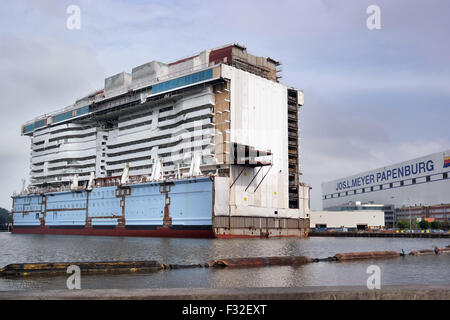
point(15, 248)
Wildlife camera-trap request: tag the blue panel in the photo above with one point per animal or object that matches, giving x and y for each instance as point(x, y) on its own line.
point(63, 201)
point(145, 206)
point(27, 210)
point(27, 203)
point(191, 203)
point(39, 124)
point(82, 110)
point(29, 219)
point(29, 128)
point(182, 81)
point(103, 202)
point(67, 200)
point(66, 218)
point(63, 116)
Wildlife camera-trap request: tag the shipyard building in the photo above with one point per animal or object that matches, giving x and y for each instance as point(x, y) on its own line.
point(204, 146)
point(412, 189)
point(350, 217)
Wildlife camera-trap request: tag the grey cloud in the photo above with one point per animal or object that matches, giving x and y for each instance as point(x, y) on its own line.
point(336, 143)
point(38, 78)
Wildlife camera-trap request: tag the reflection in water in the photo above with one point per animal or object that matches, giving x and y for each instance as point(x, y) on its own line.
point(51, 248)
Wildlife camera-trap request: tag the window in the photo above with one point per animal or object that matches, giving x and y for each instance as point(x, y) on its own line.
point(445, 175)
point(391, 185)
point(402, 183)
point(371, 188)
point(166, 109)
point(414, 181)
point(381, 187)
point(428, 178)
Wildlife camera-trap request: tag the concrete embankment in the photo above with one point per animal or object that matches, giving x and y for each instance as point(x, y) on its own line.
point(435, 292)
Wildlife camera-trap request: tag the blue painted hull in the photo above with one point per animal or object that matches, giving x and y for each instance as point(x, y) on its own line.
point(179, 208)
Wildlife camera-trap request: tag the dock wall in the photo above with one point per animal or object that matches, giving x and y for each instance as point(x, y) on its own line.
point(416, 292)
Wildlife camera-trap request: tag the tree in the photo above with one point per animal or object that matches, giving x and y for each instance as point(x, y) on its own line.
point(436, 225)
point(424, 224)
point(5, 218)
point(445, 225)
point(406, 224)
point(402, 224)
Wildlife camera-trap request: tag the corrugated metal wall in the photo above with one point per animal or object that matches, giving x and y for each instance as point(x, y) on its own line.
point(259, 119)
point(259, 222)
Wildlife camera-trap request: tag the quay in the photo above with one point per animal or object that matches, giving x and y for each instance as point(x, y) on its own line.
point(366, 234)
point(405, 292)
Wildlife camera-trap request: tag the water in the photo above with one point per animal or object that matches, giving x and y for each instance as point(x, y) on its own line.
point(15, 248)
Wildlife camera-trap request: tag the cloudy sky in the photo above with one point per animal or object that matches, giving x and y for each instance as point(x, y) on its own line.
point(373, 97)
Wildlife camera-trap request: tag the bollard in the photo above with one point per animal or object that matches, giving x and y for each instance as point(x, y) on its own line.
point(260, 261)
point(26, 269)
point(366, 255)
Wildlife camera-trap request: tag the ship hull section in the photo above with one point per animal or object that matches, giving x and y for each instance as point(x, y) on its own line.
point(180, 208)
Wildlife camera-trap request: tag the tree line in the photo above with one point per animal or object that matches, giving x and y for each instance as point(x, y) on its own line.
point(5, 218)
point(405, 224)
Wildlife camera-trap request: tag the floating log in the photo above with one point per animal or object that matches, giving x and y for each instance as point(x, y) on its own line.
point(442, 250)
point(183, 266)
point(260, 261)
point(422, 252)
point(25, 269)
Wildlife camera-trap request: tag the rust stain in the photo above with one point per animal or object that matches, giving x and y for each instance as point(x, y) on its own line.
point(167, 219)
